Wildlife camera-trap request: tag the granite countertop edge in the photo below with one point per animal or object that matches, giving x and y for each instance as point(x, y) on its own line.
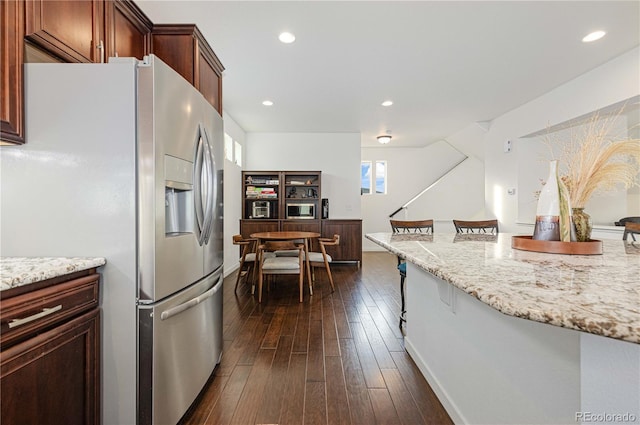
point(22, 271)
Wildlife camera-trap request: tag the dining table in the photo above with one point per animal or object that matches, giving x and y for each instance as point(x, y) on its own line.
point(290, 236)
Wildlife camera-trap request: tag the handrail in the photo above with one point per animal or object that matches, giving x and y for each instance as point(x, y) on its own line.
point(428, 187)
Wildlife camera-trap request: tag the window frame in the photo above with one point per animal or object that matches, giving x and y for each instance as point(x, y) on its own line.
point(373, 177)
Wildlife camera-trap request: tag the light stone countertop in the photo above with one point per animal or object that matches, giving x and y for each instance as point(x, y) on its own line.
point(599, 294)
point(20, 271)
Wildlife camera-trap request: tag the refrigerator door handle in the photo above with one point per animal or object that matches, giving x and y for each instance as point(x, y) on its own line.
point(167, 314)
point(214, 190)
point(208, 174)
point(211, 292)
point(197, 178)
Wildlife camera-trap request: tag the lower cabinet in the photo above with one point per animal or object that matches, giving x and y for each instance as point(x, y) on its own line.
point(350, 231)
point(247, 227)
point(50, 375)
point(52, 378)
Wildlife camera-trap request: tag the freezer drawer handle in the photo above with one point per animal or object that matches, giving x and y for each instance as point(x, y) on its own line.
point(191, 303)
point(45, 312)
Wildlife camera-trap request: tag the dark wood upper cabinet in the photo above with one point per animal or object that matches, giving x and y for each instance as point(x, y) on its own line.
point(11, 59)
point(71, 30)
point(93, 31)
point(182, 47)
point(128, 30)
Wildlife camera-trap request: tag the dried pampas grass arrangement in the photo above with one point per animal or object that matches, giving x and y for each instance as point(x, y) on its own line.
point(593, 160)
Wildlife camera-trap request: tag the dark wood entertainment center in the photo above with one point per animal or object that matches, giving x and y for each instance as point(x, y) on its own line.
point(292, 201)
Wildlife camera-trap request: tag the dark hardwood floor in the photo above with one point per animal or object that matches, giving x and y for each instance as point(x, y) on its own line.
point(337, 358)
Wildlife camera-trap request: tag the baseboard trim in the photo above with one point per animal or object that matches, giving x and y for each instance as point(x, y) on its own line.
point(448, 404)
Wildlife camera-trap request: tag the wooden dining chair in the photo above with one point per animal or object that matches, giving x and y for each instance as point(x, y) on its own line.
point(274, 265)
point(479, 226)
point(408, 226)
point(631, 229)
point(248, 259)
point(322, 259)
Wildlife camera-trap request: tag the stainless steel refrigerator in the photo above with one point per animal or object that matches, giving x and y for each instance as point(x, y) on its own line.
point(124, 160)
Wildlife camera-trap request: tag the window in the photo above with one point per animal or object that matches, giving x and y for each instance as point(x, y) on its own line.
point(373, 180)
point(228, 147)
point(365, 177)
point(232, 150)
point(238, 154)
point(381, 177)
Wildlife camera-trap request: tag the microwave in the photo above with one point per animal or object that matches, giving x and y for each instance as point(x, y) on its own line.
point(301, 210)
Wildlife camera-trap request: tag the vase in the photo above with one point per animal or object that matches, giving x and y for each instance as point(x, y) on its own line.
point(583, 224)
point(553, 212)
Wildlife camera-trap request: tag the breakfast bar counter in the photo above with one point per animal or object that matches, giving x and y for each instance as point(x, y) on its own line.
point(511, 336)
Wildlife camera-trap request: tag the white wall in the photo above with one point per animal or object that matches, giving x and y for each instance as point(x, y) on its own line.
point(337, 155)
point(410, 170)
point(533, 155)
point(232, 190)
point(610, 83)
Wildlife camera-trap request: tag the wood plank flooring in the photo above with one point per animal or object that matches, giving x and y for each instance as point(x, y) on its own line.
point(338, 358)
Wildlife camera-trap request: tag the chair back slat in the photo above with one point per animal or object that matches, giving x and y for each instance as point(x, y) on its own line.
point(476, 226)
point(271, 246)
point(412, 226)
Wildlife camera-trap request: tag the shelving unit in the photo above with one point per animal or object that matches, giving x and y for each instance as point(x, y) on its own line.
point(281, 201)
point(261, 195)
point(266, 194)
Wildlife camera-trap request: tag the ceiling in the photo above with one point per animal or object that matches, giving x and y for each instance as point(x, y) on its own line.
point(445, 65)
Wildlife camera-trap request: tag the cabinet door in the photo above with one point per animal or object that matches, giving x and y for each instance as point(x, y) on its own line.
point(128, 30)
point(301, 226)
point(209, 83)
point(247, 227)
point(53, 378)
point(71, 30)
point(350, 231)
point(175, 49)
point(11, 58)
point(183, 48)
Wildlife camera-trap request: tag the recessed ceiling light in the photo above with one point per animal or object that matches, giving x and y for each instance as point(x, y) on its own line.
point(596, 35)
point(267, 103)
point(287, 37)
point(387, 103)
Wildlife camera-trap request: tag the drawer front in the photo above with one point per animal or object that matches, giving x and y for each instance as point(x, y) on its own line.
point(54, 378)
point(26, 315)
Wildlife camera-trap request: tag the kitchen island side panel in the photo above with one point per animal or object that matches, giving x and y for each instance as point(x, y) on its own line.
point(487, 367)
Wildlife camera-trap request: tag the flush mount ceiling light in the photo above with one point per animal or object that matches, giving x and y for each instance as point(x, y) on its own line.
point(287, 37)
point(387, 103)
point(267, 103)
point(384, 139)
point(596, 35)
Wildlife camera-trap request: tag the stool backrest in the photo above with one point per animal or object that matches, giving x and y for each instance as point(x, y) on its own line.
point(476, 226)
point(412, 226)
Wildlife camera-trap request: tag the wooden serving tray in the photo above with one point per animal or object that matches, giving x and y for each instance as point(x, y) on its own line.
point(525, 243)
